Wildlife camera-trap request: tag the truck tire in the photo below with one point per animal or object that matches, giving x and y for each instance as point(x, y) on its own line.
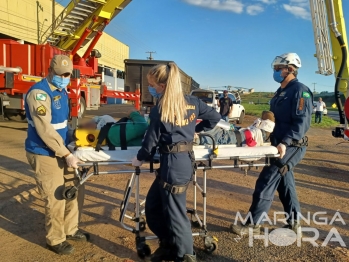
point(241, 118)
point(16, 117)
point(82, 110)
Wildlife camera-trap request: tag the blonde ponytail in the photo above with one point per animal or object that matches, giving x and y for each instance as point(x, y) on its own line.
point(173, 106)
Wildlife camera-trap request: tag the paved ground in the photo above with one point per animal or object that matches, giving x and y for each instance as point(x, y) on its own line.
point(322, 185)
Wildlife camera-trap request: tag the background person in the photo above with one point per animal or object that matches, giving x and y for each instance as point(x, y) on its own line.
point(47, 110)
point(225, 105)
point(320, 106)
point(292, 106)
point(171, 128)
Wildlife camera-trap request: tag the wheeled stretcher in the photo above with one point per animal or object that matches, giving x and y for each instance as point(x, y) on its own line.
point(206, 158)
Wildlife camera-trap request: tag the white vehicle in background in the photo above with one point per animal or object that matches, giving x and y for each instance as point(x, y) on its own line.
point(211, 97)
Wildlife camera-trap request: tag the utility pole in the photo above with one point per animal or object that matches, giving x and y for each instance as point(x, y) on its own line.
point(150, 57)
point(38, 8)
point(314, 87)
point(53, 14)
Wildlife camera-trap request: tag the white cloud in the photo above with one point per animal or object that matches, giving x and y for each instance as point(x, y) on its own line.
point(299, 8)
point(254, 9)
point(301, 3)
point(268, 2)
point(234, 6)
point(297, 11)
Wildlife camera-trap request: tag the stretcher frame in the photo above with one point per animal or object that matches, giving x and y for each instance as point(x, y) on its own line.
point(83, 173)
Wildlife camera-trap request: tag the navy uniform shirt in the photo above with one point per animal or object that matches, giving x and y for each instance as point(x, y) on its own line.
point(167, 134)
point(292, 107)
point(224, 105)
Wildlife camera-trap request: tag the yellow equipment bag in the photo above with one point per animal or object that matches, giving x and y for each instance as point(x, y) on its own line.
point(87, 137)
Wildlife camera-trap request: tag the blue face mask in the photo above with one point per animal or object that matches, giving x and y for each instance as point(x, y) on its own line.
point(277, 76)
point(153, 92)
point(60, 82)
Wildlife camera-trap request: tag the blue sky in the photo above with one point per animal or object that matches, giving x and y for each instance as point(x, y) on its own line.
point(223, 42)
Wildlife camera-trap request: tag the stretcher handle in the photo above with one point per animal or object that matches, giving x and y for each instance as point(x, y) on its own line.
point(214, 148)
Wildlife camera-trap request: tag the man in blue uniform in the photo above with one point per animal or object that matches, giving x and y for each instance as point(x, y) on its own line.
point(165, 207)
point(47, 110)
point(292, 106)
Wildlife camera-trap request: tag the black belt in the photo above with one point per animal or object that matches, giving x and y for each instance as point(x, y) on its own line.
point(176, 148)
point(299, 143)
point(173, 189)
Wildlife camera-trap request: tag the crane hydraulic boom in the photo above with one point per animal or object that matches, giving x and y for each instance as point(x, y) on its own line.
point(331, 47)
point(82, 21)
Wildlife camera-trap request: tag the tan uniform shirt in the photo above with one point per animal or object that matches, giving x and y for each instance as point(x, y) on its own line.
point(40, 111)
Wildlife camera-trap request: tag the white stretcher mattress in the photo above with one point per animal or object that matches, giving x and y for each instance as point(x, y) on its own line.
point(88, 154)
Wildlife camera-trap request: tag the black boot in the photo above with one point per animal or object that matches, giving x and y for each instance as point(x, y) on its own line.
point(242, 230)
point(63, 248)
point(295, 227)
point(187, 258)
point(165, 251)
point(79, 236)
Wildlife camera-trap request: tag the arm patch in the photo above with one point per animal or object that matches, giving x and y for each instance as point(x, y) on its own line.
point(301, 104)
point(41, 97)
point(41, 111)
point(305, 94)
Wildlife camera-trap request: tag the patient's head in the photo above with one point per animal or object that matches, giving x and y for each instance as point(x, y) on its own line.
point(268, 115)
point(97, 122)
point(90, 125)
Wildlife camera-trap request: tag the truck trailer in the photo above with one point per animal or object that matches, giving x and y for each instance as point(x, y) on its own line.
point(136, 78)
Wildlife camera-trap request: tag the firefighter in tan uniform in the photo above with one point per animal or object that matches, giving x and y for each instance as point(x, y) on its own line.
point(47, 111)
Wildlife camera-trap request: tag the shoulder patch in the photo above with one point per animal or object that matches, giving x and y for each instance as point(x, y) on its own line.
point(41, 111)
point(41, 97)
point(301, 103)
point(305, 94)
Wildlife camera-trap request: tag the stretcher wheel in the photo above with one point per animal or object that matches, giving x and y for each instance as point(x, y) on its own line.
point(210, 249)
point(69, 193)
point(143, 250)
point(211, 244)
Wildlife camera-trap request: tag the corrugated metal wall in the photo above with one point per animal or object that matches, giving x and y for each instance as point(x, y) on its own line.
point(18, 19)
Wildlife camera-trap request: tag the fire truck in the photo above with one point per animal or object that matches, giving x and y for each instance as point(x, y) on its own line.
point(21, 65)
point(332, 53)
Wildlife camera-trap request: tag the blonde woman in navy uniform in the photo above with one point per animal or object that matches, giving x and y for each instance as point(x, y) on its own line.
point(171, 128)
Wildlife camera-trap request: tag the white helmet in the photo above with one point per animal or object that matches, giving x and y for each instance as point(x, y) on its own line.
point(287, 59)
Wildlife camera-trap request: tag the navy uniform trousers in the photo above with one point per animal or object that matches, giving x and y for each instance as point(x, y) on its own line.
point(271, 180)
point(166, 213)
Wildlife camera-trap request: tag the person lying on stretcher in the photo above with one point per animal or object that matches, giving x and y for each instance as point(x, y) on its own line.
point(135, 129)
point(255, 135)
